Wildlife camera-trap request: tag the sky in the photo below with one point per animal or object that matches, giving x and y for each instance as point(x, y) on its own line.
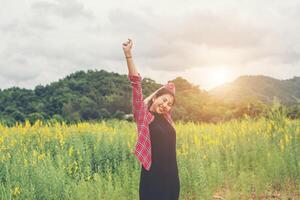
point(206, 42)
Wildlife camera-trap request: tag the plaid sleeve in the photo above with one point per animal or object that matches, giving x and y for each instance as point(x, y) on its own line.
point(137, 95)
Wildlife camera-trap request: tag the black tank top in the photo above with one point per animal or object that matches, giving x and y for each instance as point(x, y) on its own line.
point(161, 182)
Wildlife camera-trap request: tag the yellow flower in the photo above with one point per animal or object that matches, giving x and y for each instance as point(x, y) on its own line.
point(298, 131)
point(281, 145)
point(70, 151)
point(16, 191)
point(60, 138)
point(1, 140)
point(196, 140)
point(89, 177)
point(27, 124)
point(41, 156)
point(287, 138)
point(34, 153)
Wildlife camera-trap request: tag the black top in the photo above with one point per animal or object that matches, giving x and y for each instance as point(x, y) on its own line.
point(161, 182)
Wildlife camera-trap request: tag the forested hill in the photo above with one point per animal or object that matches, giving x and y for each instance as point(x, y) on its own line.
point(89, 95)
point(259, 87)
point(96, 95)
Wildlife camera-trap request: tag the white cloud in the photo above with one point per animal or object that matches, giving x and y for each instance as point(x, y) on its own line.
point(67, 9)
point(43, 40)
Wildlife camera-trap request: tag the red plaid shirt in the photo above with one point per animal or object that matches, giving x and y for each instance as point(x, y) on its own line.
point(143, 118)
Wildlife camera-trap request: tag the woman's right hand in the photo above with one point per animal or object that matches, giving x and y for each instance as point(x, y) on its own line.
point(127, 46)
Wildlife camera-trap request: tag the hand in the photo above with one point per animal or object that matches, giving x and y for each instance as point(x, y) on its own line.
point(127, 46)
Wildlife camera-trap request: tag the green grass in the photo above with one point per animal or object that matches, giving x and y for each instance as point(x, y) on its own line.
point(240, 159)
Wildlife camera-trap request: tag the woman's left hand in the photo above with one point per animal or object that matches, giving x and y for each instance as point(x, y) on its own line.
point(146, 100)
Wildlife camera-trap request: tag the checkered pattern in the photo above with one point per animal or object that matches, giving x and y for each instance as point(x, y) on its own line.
point(143, 118)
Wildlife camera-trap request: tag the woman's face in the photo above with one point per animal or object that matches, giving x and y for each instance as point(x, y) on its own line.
point(162, 104)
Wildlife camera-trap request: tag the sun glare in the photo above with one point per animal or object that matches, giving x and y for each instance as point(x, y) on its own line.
point(210, 77)
point(219, 76)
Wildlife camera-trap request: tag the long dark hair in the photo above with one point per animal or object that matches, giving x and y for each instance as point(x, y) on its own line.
point(160, 93)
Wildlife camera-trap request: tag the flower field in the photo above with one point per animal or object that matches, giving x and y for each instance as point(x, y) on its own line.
point(239, 159)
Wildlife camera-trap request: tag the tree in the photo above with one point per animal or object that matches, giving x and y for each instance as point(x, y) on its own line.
point(119, 114)
point(18, 116)
point(33, 117)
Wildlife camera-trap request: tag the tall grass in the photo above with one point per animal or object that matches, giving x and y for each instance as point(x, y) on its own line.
point(239, 159)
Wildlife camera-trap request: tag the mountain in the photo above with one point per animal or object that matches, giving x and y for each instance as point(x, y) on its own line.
point(87, 95)
point(96, 95)
point(259, 87)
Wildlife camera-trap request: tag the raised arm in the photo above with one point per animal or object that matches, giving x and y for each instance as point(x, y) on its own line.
point(136, 81)
point(130, 64)
point(147, 100)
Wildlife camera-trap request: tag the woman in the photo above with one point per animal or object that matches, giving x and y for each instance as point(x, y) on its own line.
point(156, 144)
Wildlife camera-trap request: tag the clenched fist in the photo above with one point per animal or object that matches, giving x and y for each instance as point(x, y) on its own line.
point(127, 46)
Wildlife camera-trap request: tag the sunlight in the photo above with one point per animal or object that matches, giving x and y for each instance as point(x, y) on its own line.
point(218, 76)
